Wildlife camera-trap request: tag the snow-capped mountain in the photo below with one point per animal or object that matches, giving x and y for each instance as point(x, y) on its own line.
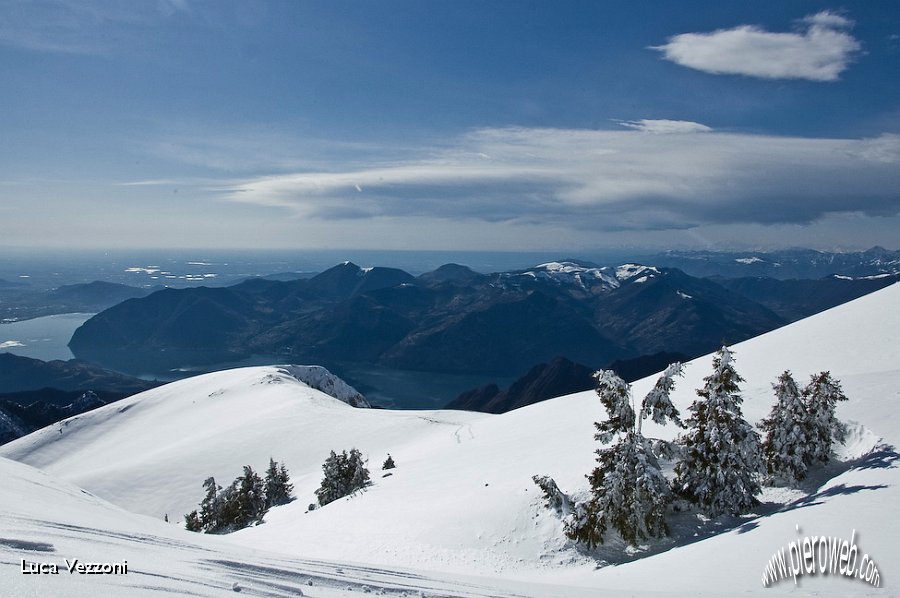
point(461, 501)
point(783, 264)
point(452, 320)
point(591, 278)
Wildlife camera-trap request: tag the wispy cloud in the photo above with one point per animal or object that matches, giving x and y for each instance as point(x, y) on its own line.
point(665, 126)
point(820, 50)
point(606, 180)
point(76, 26)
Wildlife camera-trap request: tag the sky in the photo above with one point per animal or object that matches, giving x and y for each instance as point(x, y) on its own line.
point(449, 125)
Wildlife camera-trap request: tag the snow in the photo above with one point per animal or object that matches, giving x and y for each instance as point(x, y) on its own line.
point(575, 274)
point(319, 378)
point(605, 278)
point(749, 260)
point(461, 501)
point(684, 295)
point(628, 271)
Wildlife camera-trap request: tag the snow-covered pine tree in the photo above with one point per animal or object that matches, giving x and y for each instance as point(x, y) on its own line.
point(192, 522)
point(249, 499)
point(657, 404)
point(211, 506)
point(278, 485)
point(343, 475)
point(722, 450)
point(556, 498)
point(359, 477)
point(821, 396)
point(788, 430)
point(628, 490)
point(229, 514)
point(331, 487)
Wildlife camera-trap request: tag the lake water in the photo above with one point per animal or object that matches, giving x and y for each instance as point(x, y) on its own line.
point(382, 387)
point(45, 338)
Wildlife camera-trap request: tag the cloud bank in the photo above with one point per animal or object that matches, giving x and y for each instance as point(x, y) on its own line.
point(819, 51)
point(684, 175)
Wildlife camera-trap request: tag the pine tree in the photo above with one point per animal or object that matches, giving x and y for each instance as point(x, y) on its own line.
point(821, 396)
point(249, 499)
point(229, 514)
point(788, 429)
point(359, 477)
point(389, 463)
point(628, 489)
point(192, 522)
point(722, 455)
point(343, 475)
point(277, 485)
point(211, 506)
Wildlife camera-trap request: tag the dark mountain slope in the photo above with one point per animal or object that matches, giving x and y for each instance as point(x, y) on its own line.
point(495, 339)
point(452, 320)
point(23, 373)
point(797, 299)
point(544, 381)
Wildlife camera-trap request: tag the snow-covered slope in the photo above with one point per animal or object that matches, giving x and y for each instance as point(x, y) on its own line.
point(48, 524)
point(461, 500)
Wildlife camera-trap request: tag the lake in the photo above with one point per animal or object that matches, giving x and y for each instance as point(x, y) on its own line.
point(45, 338)
point(382, 386)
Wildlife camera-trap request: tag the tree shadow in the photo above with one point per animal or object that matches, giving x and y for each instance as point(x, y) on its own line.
point(885, 457)
point(839, 490)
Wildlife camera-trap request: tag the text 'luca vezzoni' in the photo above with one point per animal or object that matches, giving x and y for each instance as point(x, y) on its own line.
point(75, 566)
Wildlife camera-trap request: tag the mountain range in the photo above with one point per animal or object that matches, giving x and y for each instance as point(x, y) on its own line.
point(783, 264)
point(449, 320)
point(453, 319)
point(19, 301)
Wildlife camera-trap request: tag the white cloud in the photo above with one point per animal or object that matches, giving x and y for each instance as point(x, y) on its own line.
point(11, 344)
point(605, 180)
point(665, 126)
point(820, 51)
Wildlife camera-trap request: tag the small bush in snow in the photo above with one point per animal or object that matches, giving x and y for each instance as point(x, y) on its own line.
point(556, 498)
point(389, 463)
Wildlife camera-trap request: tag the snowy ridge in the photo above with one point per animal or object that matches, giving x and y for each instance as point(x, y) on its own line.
point(319, 378)
point(589, 277)
point(630, 271)
point(461, 500)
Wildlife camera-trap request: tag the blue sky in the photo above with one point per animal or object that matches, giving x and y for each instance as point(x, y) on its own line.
point(508, 125)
